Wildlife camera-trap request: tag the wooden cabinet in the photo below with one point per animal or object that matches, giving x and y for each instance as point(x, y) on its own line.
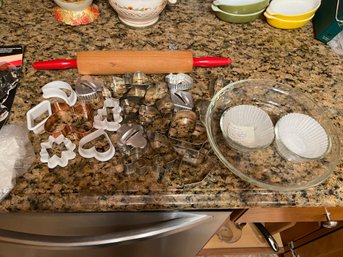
point(287, 214)
point(302, 226)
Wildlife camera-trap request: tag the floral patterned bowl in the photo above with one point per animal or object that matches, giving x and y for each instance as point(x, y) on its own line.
point(73, 5)
point(139, 13)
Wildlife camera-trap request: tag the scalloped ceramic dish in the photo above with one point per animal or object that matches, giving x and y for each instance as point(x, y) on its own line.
point(265, 167)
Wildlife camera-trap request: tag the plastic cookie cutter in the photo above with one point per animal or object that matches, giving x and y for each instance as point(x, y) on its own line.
point(102, 121)
point(67, 119)
point(92, 152)
point(57, 89)
point(41, 111)
point(54, 160)
point(180, 81)
point(182, 100)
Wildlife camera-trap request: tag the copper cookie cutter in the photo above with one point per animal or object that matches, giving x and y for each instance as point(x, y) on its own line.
point(66, 119)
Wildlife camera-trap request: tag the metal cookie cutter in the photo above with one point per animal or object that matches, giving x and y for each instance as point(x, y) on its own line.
point(101, 120)
point(41, 111)
point(55, 160)
point(93, 152)
point(139, 78)
point(180, 81)
point(57, 89)
point(182, 100)
point(182, 124)
point(86, 88)
point(131, 136)
point(67, 119)
point(119, 86)
point(156, 92)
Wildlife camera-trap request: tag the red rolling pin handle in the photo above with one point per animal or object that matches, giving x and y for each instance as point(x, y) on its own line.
point(58, 64)
point(211, 61)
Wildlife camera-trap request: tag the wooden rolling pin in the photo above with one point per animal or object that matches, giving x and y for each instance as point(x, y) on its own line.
point(121, 62)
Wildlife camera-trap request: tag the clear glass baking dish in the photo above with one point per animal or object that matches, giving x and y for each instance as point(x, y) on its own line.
point(264, 167)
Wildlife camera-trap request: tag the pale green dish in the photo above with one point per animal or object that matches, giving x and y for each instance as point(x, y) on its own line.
point(241, 6)
point(236, 18)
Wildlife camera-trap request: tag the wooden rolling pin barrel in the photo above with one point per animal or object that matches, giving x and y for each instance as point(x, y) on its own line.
point(121, 62)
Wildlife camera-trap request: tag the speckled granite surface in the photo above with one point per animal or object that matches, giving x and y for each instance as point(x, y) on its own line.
point(258, 51)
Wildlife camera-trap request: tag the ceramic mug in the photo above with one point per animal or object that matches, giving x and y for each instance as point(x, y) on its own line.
point(73, 5)
point(139, 13)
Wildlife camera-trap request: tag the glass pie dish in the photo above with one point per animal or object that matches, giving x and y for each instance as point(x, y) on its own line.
point(264, 166)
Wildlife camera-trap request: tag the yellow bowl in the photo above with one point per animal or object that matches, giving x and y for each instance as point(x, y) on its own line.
point(286, 24)
point(293, 10)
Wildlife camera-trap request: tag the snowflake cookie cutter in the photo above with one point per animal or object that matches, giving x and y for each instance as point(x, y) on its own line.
point(54, 160)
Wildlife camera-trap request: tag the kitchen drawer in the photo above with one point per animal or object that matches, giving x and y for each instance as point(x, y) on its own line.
point(289, 214)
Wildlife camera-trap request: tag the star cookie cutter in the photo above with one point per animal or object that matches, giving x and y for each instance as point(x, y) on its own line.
point(101, 119)
point(65, 119)
point(93, 152)
point(54, 160)
point(58, 89)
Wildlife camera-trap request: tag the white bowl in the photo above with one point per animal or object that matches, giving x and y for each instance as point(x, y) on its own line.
point(139, 13)
point(293, 9)
point(74, 6)
point(247, 127)
point(299, 137)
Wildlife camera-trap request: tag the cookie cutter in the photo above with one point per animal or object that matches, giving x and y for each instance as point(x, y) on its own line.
point(37, 112)
point(160, 123)
point(137, 91)
point(63, 121)
point(54, 160)
point(119, 86)
point(131, 136)
point(92, 152)
point(140, 78)
point(165, 105)
point(131, 105)
point(147, 114)
point(182, 100)
point(180, 81)
point(101, 120)
point(182, 124)
point(156, 92)
point(57, 89)
point(86, 88)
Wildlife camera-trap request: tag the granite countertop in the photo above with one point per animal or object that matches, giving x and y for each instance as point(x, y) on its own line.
point(258, 51)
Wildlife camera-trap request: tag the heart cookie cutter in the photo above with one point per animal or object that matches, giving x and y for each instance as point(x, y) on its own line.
point(93, 152)
point(63, 121)
point(54, 160)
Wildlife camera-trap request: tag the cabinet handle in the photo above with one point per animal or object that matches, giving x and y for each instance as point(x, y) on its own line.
point(293, 252)
point(329, 223)
point(269, 238)
point(159, 230)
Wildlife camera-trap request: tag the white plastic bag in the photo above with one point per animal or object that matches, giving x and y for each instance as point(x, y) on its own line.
point(16, 156)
